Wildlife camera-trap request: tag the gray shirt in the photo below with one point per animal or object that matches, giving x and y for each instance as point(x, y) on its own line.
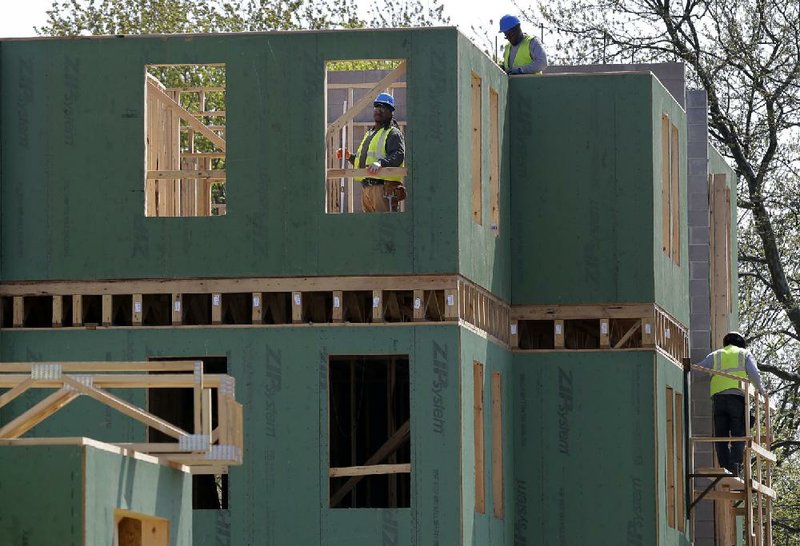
point(750, 366)
point(538, 56)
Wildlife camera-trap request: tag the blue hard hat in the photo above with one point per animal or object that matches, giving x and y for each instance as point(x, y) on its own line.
point(507, 22)
point(386, 100)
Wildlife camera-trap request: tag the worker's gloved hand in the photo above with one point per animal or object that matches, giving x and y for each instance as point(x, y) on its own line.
point(374, 168)
point(514, 71)
point(343, 153)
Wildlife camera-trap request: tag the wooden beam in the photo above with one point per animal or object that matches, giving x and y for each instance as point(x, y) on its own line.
point(137, 310)
point(126, 408)
point(365, 100)
point(16, 391)
point(633, 329)
point(371, 470)
point(347, 173)
point(58, 311)
point(497, 446)
point(180, 174)
point(106, 306)
point(38, 413)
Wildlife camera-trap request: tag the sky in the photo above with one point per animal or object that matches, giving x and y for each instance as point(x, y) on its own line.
point(20, 16)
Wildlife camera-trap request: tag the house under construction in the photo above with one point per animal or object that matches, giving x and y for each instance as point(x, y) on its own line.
point(205, 341)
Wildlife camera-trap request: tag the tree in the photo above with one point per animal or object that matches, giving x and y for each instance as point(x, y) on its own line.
point(108, 17)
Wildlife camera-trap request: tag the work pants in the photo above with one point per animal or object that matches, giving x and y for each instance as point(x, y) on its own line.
point(729, 421)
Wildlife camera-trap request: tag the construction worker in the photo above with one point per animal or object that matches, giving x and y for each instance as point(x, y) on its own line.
point(382, 146)
point(522, 54)
point(728, 399)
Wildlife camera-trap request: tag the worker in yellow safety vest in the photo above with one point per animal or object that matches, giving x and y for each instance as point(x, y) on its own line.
point(523, 54)
point(382, 146)
point(727, 397)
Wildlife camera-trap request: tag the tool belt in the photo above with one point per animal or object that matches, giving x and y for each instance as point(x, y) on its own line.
point(395, 190)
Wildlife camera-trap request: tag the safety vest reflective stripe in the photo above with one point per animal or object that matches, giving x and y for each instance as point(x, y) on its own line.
point(523, 56)
point(731, 360)
point(375, 152)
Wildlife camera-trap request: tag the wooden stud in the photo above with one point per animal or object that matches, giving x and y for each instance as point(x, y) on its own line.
point(513, 334)
point(477, 154)
point(58, 311)
point(648, 332)
point(337, 304)
point(18, 312)
point(558, 334)
point(451, 304)
point(257, 311)
point(106, 309)
point(138, 310)
point(419, 305)
point(216, 308)
point(604, 334)
point(177, 309)
point(297, 307)
point(77, 310)
point(377, 306)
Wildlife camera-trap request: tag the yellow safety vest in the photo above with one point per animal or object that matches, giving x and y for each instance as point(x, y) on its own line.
point(376, 151)
point(523, 55)
point(731, 360)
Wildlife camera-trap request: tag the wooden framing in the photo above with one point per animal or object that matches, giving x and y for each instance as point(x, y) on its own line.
point(497, 446)
point(680, 464)
point(616, 327)
point(494, 161)
point(670, 457)
point(675, 193)
point(720, 252)
point(134, 529)
point(477, 148)
point(205, 450)
point(753, 492)
point(665, 186)
point(477, 407)
point(351, 301)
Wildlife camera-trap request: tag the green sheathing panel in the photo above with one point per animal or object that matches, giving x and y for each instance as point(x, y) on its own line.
point(211, 528)
point(485, 529)
point(115, 481)
point(73, 160)
point(669, 374)
point(279, 496)
point(718, 165)
point(581, 180)
point(671, 280)
point(484, 253)
point(584, 441)
point(41, 498)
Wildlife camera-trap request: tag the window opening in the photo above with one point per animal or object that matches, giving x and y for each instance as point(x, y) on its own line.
point(185, 147)
point(352, 86)
point(369, 431)
point(209, 491)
